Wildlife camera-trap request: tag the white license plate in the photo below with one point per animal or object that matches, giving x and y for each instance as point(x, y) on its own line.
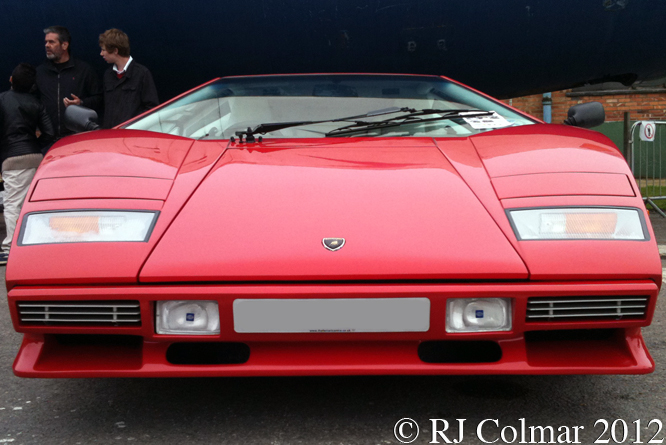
point(332, 315)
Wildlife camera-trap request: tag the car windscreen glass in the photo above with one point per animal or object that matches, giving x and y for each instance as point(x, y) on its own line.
point(220, 109)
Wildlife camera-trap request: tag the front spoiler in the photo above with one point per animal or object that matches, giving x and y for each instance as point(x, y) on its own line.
point(40, 356)
point(622, 351)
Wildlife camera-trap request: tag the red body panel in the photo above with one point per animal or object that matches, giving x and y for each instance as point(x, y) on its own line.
point(563, 184)
point(422, 217)
point(104, 187)
point(547, 148)
point(116, 153)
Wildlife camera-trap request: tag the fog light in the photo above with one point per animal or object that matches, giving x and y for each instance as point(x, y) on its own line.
point(187, 317)
point(478, 314)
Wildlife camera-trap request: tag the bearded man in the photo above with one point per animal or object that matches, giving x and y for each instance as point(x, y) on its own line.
point(63, 81)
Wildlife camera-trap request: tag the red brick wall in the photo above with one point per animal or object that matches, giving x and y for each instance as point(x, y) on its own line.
point(641, 106)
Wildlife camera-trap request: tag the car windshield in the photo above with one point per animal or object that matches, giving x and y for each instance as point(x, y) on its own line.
point(318, 105)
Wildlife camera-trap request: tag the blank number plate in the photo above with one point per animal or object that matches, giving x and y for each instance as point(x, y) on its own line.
point(332, 315)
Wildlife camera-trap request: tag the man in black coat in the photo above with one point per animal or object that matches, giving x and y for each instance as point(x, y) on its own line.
point(63, 80)
point(21, 114)
point(129, 89)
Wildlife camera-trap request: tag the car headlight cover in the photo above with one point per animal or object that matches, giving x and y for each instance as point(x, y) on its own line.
point(578, 223)
point(189, 317)
point(478, 314)
point(87, 226)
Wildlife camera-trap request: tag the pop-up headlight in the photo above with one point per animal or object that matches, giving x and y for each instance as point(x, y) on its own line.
point(478, 314)
point(578, 223)
point(188, 317)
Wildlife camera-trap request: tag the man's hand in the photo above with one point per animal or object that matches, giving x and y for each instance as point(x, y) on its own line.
point(75, 101)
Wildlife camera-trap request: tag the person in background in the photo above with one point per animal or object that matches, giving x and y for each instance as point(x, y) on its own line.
point(21, 114)
point(129, 89)
point(63, 80)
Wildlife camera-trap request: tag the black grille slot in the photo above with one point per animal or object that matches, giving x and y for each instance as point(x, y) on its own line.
point(209, 353)
point(614, 307)
point(460, 351)
point(84, 313)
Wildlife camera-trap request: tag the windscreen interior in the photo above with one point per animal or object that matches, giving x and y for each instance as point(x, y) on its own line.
point(229, 105)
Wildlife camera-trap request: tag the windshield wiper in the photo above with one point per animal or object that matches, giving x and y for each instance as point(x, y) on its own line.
point(274, 126)
point(412, 117)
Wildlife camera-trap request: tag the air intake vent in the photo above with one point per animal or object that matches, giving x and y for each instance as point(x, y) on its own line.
point(619, 307)
point(88, 313)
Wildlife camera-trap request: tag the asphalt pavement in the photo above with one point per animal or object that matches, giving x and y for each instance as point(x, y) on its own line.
point(333, 410)
point(659, 227)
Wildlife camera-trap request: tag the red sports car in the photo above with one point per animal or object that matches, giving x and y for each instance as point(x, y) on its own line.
point(334, 224)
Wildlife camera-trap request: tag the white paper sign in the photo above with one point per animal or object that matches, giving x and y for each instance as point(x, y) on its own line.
point(485, 122)
point(648, 130)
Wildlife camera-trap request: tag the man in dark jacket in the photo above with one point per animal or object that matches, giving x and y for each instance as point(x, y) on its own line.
point(21, 114)
point(129, 89)
point(63, 80)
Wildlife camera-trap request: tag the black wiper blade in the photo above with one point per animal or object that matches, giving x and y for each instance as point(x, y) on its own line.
point(274, 126)
point(412, 117)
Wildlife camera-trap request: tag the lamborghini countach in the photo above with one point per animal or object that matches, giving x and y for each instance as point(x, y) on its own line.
point(334, 224)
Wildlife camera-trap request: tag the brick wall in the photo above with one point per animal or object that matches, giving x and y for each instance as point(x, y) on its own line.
point(641, 106)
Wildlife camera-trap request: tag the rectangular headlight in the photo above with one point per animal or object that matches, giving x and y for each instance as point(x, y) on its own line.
point(478, 314)
point(86, 226)
point(578, 223)
point(187, 317)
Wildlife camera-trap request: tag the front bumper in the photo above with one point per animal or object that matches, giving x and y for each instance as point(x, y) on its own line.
point(582, 346)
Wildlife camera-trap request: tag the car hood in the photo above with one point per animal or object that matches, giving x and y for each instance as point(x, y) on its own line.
point(263, 211)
